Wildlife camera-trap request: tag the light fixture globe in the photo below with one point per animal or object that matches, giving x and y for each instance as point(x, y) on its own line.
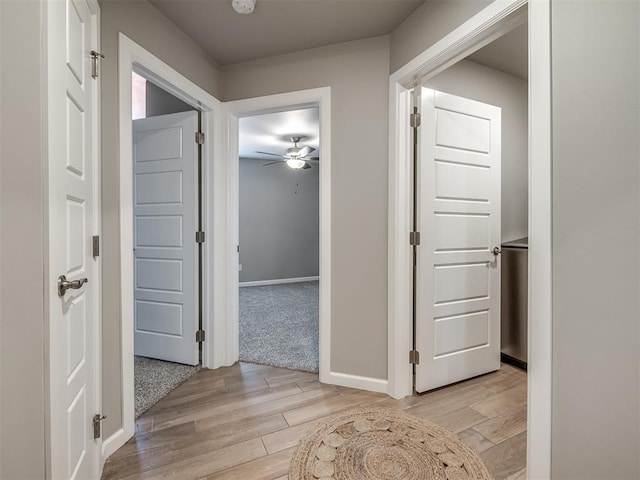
point(295, 163)
point(243, 6)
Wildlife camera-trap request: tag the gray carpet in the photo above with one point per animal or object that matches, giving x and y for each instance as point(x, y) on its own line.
point(155, 378)
point(279, 325)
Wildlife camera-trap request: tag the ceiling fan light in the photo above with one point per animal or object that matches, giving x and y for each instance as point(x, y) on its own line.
point(295, 163)
point(243, 6)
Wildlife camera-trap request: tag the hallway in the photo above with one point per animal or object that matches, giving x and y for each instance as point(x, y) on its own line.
point(244, 422)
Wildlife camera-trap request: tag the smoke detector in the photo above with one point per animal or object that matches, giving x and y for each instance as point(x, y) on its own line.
point(243, 6)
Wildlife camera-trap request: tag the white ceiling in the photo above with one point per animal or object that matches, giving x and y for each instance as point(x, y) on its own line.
point(272, 132)
point(508, 53)
point(282, 26)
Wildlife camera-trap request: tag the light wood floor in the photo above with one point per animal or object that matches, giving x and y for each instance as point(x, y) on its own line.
point(244, 422)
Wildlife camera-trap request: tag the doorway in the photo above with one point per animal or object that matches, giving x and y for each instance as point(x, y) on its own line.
point(134, 58)
point(167, 250)
point(471, 202)
point(279, 239)
point(320, 99)
point(456, 265)
point(492, 22)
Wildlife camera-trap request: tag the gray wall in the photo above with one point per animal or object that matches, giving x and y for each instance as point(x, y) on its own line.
point(279, 221)
point(595, 81)
point(427, 25)
point(22, 367)
point(149, 28)
point(358, 74)
point(161, 102)
point(477, 82)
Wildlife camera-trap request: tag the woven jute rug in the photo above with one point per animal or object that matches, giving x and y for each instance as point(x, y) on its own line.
point(377, 444)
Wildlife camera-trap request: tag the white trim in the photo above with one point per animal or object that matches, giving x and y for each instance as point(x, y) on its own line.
point(498, 18)
point(269, 104)
point(132, 56)
point(540, 242)
point(355, 381)
point(111, 444)
point(278, 281)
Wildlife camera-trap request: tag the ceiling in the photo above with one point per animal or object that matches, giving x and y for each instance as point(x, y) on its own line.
point(282, 26)
point(509, 53)
point(272, 132)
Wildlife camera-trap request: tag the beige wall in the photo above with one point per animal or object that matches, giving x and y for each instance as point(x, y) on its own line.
point(358, 76)
point(22, 344)
point(149, 28)
point(477, 82)
point(595, 81)
point(427, 25)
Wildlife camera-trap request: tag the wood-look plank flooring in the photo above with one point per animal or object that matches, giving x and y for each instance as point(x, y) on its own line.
point(244, 422)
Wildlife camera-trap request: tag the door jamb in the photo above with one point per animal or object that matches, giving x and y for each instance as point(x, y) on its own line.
point(133, 57)
point(271, 104)
point(492, 22)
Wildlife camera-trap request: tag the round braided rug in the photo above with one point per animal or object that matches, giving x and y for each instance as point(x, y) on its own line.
point(381, 444)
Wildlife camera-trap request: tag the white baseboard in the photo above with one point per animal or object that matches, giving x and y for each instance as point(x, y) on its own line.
point(113, 443)
point(355, 381)
point(277, 281)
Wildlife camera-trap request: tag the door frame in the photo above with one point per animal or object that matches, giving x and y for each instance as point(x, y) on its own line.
point(133, 57)
point(489, 24)
point(272, 104)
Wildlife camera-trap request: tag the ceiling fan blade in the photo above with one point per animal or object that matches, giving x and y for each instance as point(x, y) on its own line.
point(311, 159)
point(267, 153)
point(270, 163)
point(304, 151)
point(305, 166)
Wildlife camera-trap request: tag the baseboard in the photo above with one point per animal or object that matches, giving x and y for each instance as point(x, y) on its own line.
point(355, 381)
point(113, 443)
point(277, 281)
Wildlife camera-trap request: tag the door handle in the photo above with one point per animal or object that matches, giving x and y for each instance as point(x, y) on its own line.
point(496, 251)
point(64, 284)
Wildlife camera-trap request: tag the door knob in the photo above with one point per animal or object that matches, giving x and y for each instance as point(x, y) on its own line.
point(64, 284)
point(496, 251)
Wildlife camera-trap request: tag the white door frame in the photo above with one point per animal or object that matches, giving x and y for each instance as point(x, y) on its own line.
point(133, 57)
point(271, 104)
point(489, 24)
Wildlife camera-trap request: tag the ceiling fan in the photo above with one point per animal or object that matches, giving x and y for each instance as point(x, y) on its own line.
point(295, 157)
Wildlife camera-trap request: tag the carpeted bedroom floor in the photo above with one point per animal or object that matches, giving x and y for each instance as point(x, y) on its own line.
point(279, 325)
point(156, 378)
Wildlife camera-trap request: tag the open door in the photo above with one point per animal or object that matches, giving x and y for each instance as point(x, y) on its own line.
point(73, 218)
point(457, 331)
point(165, 192)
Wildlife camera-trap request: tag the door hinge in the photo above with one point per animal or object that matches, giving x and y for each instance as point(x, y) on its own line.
point(200, 237)
point(414, 120)
point(414, 239)
point(200, 336)
point(414, 357)
point(95, 56)
point(97, 425)
point(96, 246)
point(199, 138)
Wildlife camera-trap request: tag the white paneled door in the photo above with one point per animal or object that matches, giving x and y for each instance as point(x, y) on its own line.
point(458, 275)
point(165, 192)
point(73, 219)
